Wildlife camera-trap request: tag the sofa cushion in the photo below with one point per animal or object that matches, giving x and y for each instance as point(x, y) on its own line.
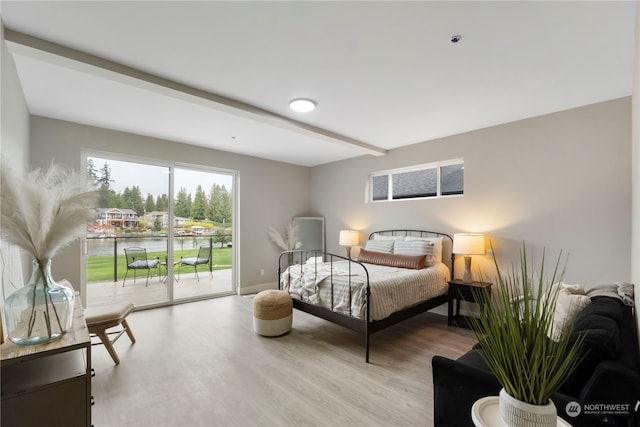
point(603, 306)
point(601, 342)
point(474, 358)
point(612, 382)
point(456, 387)
point(601, 334)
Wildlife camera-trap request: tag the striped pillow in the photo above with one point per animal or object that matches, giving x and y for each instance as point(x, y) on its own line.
point(385, 237)
point(385, 246)
point(437, 241)
point(415, 247)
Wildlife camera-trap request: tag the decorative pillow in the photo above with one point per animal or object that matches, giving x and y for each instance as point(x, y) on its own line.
point(604, 306)
point(383, 237)
point(416, 262)
point(385, 246)
point(144, 264)
point(315, 260)
point(571, 301)
point(437, 245)
point(415, 247)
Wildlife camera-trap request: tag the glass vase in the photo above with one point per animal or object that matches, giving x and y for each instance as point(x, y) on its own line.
point(41, 311)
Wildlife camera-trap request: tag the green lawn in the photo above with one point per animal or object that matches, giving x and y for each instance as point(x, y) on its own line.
point(100, 268)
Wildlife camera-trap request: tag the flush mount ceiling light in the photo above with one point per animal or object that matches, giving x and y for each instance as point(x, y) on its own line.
point(302, 105)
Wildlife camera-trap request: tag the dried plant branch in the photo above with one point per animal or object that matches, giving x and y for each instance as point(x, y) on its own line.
point(285, 243)
point(46, 210)
point(41, 213)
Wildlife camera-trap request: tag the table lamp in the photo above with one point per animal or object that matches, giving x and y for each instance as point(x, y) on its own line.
point(349, 238)
point(468, 244)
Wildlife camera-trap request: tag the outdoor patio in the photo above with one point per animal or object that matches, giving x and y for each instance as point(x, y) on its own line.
point(185, 287)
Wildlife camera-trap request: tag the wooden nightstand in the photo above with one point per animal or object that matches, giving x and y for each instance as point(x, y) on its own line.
point(460, 291)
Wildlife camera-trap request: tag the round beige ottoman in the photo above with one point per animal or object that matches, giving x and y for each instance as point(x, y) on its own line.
point(272, 313)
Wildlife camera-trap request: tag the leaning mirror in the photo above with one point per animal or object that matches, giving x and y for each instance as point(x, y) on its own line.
point(310, 232)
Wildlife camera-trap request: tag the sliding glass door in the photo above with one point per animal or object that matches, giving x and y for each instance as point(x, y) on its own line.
point(203, 233)
point(163, 233)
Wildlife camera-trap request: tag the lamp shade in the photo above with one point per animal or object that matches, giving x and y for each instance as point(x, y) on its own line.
point(349, 238)
point(468, 244)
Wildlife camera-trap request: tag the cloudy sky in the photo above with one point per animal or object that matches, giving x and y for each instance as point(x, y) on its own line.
point(155, 179)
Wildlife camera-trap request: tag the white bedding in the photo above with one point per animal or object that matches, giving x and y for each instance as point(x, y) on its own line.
point(392, 289)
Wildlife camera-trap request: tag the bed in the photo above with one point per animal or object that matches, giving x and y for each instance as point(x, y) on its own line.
point(386, 285)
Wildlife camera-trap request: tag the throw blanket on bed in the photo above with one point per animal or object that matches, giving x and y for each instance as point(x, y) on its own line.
point(336, 287)
point(305, 279)
point(620, 290)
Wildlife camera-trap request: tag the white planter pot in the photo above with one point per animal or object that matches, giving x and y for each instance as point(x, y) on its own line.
point(515, 413)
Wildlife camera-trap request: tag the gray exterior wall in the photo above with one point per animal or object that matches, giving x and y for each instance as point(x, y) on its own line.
point(560, 181)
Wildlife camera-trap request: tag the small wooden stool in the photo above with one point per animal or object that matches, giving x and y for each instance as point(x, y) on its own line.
point(101, 318)
point(272, 313)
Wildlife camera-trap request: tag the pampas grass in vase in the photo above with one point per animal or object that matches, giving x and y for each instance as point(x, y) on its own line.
point(41, 213)
point(289, 241)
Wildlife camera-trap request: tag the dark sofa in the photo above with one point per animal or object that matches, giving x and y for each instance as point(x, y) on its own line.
point(609, 374)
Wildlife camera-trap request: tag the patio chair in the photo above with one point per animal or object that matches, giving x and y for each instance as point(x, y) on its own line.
point(204, 257)
point(137, 260)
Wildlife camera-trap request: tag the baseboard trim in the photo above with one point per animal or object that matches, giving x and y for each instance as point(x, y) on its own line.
point(254, 289)
point(441, 309)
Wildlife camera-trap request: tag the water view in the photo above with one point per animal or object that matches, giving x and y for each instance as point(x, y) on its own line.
point(105, 246)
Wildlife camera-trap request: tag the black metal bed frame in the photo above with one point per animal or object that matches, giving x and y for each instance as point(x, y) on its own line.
point(365, 326)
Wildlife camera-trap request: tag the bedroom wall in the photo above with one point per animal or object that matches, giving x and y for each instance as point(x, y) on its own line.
point(14, 141)
point(635, 251)
point(14, 147)
point(271, 193)
point(560, 181)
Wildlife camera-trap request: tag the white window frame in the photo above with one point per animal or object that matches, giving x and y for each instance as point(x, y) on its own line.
point(171, 166)
point(390, 172)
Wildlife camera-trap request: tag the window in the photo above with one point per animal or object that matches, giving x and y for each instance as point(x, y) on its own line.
point(380, 187)
point(452, 179)
point(418, 182)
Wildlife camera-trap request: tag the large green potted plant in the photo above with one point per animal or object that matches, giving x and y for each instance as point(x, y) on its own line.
point(513, 332)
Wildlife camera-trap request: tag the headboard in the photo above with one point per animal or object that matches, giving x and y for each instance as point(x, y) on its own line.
point(447, 241)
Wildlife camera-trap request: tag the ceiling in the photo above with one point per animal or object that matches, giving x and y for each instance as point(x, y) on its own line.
point(383, 74)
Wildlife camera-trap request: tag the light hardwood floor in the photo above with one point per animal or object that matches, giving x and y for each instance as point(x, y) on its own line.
point(201, 364)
